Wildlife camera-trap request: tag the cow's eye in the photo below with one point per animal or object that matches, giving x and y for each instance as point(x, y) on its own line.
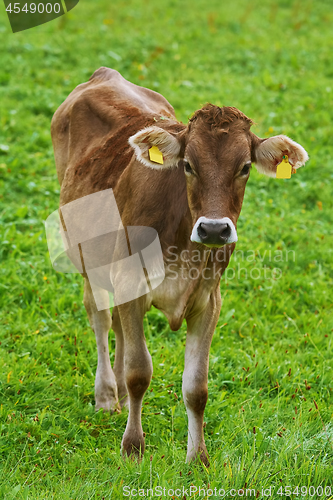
point(187, 167)
point(246, 169)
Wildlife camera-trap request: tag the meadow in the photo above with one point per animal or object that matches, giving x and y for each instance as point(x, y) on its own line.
point(270, 408)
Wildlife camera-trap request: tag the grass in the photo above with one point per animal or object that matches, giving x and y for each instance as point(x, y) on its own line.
point(268, 419)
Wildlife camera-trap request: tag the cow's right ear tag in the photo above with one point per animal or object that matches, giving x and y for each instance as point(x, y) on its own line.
point(283, 169)
point(155, 155)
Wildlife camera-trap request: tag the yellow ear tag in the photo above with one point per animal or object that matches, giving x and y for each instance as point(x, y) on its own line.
point(155, 155)
point(283, 169)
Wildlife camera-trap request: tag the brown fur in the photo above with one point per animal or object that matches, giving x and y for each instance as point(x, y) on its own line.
point(217, 117)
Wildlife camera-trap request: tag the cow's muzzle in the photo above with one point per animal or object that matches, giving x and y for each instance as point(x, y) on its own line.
point(214, 232)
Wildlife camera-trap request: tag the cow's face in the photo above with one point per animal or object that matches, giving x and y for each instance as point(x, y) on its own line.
point(216, 151)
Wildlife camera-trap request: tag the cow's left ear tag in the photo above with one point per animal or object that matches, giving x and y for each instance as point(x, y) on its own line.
point(283, 169)
point(155, 155)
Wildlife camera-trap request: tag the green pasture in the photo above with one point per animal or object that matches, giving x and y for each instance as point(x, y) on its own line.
point(268, 418)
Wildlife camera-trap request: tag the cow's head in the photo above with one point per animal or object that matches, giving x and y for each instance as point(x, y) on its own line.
point(216, 150)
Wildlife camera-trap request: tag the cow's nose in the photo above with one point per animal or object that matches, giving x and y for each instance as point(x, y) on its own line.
point(214, 234)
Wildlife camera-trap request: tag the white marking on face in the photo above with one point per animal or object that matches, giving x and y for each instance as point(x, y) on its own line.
point(233, 234)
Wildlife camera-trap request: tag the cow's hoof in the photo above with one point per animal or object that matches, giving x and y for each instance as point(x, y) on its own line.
point(106, 396)
point(111, 405)
point(133, 445)
point(200, 456)
point(204, 458)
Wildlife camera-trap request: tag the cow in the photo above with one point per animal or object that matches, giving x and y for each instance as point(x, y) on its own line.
point(102, 136)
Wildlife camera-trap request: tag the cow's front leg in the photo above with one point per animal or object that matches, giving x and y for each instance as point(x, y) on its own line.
point(138, 371)
point(106, 392)
point(200, 329)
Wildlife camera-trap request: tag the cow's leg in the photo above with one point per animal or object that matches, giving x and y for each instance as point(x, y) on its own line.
point(106, 393)
point(200, 329)
point(138, 370)
point(118, 367)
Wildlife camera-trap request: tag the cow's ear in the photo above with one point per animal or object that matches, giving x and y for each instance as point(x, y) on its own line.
point(268, 153)
point(169, 147)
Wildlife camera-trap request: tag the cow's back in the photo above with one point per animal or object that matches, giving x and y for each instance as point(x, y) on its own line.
point(90, 131)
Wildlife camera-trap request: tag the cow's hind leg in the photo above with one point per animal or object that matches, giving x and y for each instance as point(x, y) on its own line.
point(118, 367)
point(200, 329)
point(138, 370)
point(106, 392)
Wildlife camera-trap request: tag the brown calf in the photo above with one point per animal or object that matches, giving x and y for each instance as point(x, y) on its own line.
point(102, 134)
